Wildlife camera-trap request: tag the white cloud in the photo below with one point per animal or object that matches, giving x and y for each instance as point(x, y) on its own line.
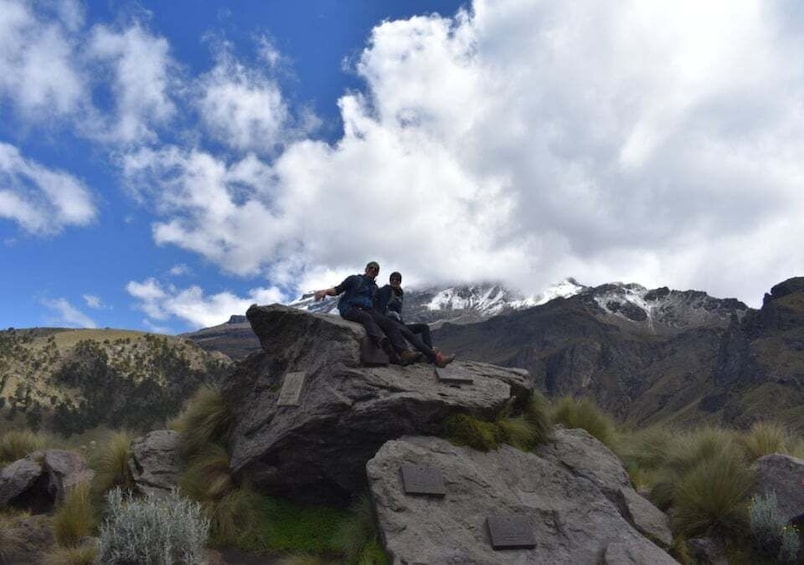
point(243, 107)
point(93, 301)
point(40, 200)
point(68, 315)
point(37, 58)
point(142, 75)
point(192, 306)
point(655, 142)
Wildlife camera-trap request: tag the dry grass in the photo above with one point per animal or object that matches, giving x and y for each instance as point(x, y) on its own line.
point(586, 415)
point(74, 519)
point(765, 438)
point(82, 555)
point(207, 419)
point(110, 462)
point(16, 444)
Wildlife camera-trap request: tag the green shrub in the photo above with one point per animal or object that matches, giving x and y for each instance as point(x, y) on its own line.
point(81, 555)
point(16, 444)
point(765, 438)
point(110, 462)
point(153, 530)
point(462, 429)
point(206, 419)
point(584, 414)
point(772, 536)
point(74, 518)
point(710, 499)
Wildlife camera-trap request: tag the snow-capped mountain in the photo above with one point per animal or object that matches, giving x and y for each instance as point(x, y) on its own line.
point(457, 303)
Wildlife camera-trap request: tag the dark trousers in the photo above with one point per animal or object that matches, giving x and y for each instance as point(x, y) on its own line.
point(422, 343)
point(377, 327)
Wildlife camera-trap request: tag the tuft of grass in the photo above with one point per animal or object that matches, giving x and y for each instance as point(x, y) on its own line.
point(81, 555)
point(208, 476)
point(644, 451)
point(586, 415)
point(711, 499)
point(206, 419)
point(537, 414)
point(74, 519)
point(110, 462)
point(765, 438)
point(684, 453)
point(234, 518)
point(359, 535)
point(517, 432)
point(16, 444)
point(462, 429)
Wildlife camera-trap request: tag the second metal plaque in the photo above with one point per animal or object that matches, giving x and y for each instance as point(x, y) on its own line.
point(422, 479)
point(511, 532)
point(292, 386)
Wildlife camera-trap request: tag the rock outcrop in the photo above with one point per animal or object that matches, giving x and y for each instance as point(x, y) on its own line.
point(783, 476)
point(154, 462)
point(37, 482)
point(316, 451)
point(566, 503)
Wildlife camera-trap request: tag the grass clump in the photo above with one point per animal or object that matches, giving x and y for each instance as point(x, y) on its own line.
point(206, 419)
point(643, 452)
point(360, 537)
point(235, 518)
point(110, 463)
point(81, 555)
point(710, 499)
point(765, 438)
point(16, 444)
point(74, 519)
point(153, 530)
point(207, 476)
point(584, 414)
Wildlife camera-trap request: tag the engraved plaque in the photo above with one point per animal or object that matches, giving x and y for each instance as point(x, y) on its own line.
point(453, 375)
point(422, 479)
point(291, 389)
point(511, 532)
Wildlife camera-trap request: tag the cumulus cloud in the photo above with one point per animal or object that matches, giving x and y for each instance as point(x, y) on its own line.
point(37, 69)
point(141, 69)
point(191, 305)
point(528, 141)
point(68, 315)
point(40, 200)
point(93, 301)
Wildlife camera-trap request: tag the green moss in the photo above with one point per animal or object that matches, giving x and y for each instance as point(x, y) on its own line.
point(462, 429)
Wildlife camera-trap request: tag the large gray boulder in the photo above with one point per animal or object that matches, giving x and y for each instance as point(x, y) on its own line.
point(154, 462)
point(40, 480)
point(783, 475)
point(317, 451)
point(573, 520)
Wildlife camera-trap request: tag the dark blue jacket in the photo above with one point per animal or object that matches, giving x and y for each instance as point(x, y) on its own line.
point(390, 302)
point(358, 292)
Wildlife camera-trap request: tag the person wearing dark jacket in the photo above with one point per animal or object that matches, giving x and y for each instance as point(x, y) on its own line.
point(357, 305)
point(390, 299)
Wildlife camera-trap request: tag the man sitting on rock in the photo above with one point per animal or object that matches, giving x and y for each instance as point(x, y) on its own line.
point(357, 305)
point(389, 302)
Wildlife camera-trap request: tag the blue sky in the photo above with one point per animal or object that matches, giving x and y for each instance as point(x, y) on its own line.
point(164, 165)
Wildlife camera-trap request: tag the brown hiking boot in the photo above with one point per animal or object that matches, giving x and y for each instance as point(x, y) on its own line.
point(408, 357)
point(442, 360)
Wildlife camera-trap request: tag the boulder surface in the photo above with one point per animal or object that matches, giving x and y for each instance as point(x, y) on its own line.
point(316, 449)
point(572, 518)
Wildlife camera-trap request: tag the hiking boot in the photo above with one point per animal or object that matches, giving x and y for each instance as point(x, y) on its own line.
point(442, 360)
point(408, 357)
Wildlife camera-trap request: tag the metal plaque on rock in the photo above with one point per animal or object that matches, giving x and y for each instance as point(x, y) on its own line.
point(422, 479)
point(453, 375)
point(511, 532)
point(291, 389)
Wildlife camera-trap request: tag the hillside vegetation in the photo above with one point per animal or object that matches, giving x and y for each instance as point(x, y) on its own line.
point(69, 381)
